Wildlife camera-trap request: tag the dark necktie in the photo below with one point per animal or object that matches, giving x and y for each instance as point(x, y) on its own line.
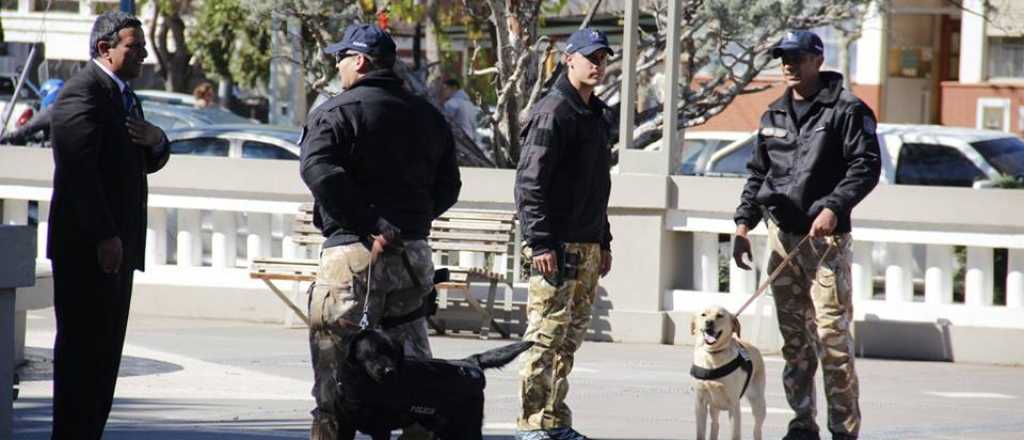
point(131, 103)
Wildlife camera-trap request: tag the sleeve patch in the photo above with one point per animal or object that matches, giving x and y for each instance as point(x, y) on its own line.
point(870, 126)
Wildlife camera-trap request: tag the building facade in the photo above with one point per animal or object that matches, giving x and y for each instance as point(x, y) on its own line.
point(924, 62)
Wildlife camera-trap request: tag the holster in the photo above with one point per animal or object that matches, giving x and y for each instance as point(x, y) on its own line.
point(568, 266)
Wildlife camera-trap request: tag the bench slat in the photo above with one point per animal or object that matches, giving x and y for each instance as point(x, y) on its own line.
point(478, 215)
point(308, 239)
point(305, 228)
point(502, 237)
point(468, 247)
point(293, 261)
point(471, 226)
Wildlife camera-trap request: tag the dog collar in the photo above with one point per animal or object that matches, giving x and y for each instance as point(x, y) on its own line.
point(741, 361)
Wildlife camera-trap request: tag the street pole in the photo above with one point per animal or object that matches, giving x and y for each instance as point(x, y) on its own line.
point(128, 6)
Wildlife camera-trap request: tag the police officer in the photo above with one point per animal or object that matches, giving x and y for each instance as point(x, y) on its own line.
point(562, 186)
point(816, 157)
point(381, 165)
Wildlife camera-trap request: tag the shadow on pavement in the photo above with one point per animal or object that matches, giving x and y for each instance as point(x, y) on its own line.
point(39, 366)
point(32, 422)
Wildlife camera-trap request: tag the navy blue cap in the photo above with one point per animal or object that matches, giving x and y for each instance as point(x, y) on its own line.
point(365, 38)
point(803, 41)
point(586, 41)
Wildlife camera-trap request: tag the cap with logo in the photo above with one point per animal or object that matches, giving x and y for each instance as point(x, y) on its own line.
point(364, 38)
point(799, 41)
point(587, 41)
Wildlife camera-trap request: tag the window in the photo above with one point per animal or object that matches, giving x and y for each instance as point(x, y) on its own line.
point(262, 150)
point(735, 163)
point(1006, 57)
point(9, 5)
point(937, 165)
point(994, 114)
point(201, 147)
point(1006, 154)
point(165, 121)
point(55, 6)
point(696, 153)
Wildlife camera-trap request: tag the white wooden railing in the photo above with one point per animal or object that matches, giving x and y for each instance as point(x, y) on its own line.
point(216, 214)
point(892, 253)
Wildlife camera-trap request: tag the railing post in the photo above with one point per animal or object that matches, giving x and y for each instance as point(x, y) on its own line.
point(899, 285)
point(259, 238)
point(862, 270)
point(223, 251)
point(1015, 278)
point(938, 275)
point(472, 259)
point(42, 228)
point(15, 212)
point(978, 283)
point(288, 247)
point(705, 262)
point(190, 244)
point(156, 236)
point(744, 281)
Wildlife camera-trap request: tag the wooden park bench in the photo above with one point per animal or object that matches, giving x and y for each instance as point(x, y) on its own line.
point(476, 246)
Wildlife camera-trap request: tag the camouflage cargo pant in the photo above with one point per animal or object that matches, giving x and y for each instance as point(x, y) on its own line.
point(815, 311)
point(336, 306)
point(558, 321)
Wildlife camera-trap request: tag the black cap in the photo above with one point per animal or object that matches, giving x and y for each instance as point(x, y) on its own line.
point(365, 38)
point(803, 41)
point(586, 41)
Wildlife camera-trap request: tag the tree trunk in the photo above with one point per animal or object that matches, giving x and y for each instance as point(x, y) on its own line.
point(845, 42)
point(224, 92)
point(503, 139)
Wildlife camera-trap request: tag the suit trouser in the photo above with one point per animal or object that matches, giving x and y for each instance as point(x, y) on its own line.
point(814, 305)
point(558, 319)
point(91, 308)
point(336, 306)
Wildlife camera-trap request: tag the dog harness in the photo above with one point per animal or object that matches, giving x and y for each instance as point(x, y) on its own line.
point(742, 361)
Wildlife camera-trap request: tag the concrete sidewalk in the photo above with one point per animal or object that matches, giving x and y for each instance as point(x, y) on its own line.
point(197, 380)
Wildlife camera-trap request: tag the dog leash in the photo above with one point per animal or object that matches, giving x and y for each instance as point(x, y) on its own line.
point(778, 270)
point(364, 322)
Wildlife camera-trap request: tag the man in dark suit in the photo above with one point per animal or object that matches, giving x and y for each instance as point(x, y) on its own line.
point(103, 148)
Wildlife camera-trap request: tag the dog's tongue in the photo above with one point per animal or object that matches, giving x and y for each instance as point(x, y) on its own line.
point(710, 339)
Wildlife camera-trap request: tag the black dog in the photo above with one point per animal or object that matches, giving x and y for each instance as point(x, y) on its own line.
point(382, 390)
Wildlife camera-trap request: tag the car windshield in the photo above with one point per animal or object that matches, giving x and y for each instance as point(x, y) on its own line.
point(221, 116)
point(1005, 154)
point(696, 151)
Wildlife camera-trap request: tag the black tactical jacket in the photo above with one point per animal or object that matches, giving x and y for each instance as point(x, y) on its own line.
point(828, 159)
point(562, 181)
point(378, 153)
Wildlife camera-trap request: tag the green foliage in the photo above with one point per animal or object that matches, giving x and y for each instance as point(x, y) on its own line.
point(317, 23)
point(407, 10)
point(553, 7)
point(231, 43)
point(1008, 182)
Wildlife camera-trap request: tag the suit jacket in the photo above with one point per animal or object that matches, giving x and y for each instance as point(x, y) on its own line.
point(99, 181)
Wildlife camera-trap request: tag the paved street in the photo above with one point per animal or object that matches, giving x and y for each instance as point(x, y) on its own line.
point(197, 380)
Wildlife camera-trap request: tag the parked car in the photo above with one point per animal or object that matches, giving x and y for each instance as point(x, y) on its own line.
point(171, 116)
point(916, 155)
point(164, 97)
point(698, 146)
point(246, 141)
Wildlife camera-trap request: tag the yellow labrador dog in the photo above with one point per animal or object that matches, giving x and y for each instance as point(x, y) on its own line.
point(725, 369)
